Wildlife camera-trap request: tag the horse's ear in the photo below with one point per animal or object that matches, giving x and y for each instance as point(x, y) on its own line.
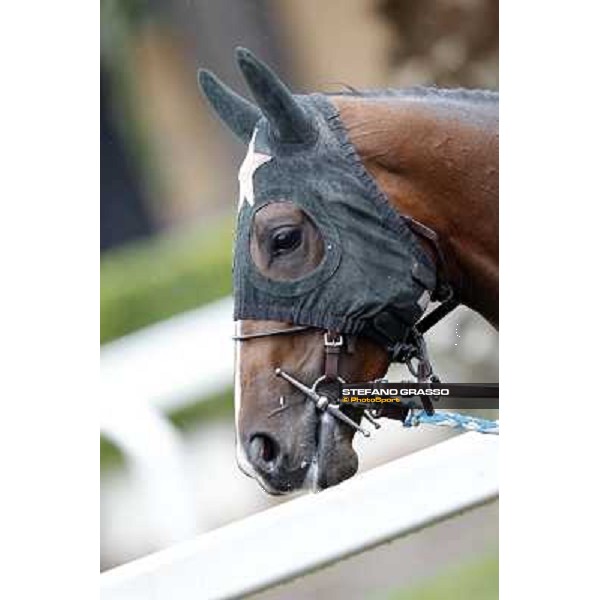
point(236, 112)
point(287, 118)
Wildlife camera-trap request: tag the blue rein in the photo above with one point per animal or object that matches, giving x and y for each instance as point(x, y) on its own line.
point(454, 420)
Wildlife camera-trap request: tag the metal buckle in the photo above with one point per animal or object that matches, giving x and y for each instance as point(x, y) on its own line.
point(333, 344)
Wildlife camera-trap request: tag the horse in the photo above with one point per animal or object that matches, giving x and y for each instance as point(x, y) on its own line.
point(357, 210)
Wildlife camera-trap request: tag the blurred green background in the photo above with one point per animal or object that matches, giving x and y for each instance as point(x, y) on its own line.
point(477, 580)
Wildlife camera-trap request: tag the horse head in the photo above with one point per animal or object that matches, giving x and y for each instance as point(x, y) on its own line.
point(329, 280)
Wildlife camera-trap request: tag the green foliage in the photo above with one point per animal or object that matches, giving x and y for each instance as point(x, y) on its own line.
point(217, 407)
point(477, 580)
point(152, 280)
point(110, 455)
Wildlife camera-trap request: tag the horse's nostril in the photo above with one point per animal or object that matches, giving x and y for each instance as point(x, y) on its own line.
point(263, 449)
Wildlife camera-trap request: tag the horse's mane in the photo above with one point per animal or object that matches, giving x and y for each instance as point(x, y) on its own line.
point(460, 94)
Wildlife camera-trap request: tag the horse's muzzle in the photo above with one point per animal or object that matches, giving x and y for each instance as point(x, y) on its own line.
point(274, 466)
point(314, 455)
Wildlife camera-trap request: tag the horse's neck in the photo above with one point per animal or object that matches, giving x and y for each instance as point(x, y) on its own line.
point(438, 163)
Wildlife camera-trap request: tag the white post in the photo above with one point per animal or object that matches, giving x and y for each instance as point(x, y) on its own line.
point(160, 368)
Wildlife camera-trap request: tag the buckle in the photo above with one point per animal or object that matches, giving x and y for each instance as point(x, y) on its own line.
point(336, 342)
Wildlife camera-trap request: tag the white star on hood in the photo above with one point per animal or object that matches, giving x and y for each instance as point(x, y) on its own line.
point(253, 161)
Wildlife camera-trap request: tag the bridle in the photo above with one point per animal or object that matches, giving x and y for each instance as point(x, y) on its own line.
point(333, 343)
point(410, 350)
point(412, 353)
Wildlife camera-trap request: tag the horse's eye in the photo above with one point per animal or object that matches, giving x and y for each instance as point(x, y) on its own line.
point(285, 240)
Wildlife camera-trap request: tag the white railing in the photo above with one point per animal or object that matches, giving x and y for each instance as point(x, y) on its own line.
point(172, 363)
point(148, 373)
point(312, 531)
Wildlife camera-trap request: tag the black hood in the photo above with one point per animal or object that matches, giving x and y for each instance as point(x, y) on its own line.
point(374, 268)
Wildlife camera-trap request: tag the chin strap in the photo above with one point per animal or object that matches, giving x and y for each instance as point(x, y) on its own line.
point(403, 343)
